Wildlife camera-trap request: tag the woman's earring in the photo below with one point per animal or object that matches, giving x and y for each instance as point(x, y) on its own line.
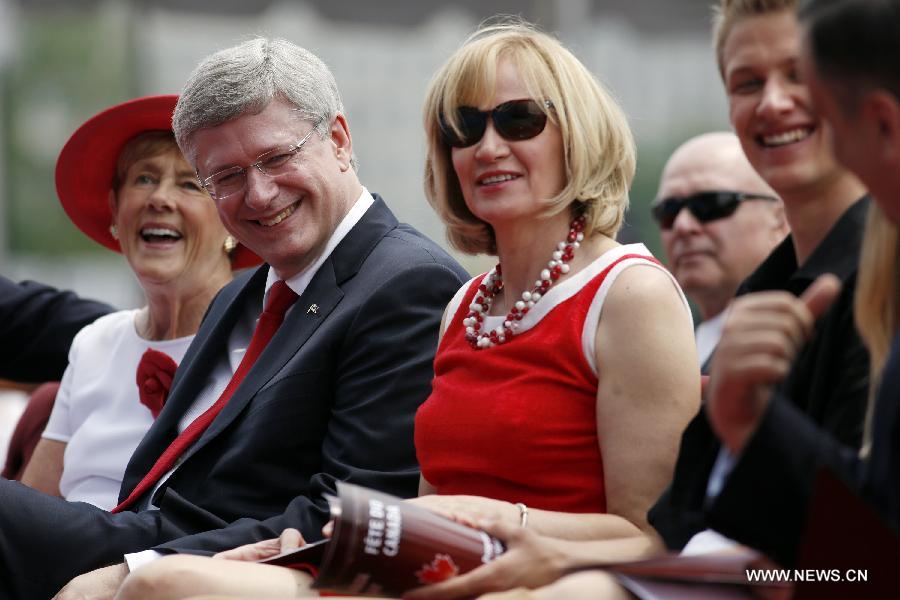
point(114, 231)
point(230, 244)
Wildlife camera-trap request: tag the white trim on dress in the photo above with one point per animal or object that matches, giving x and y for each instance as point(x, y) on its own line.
point(568, 288)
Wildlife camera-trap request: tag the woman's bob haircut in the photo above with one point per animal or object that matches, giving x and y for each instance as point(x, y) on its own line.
point(599, 147)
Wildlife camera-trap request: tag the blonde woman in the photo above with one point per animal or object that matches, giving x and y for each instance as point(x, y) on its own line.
point(562, 380)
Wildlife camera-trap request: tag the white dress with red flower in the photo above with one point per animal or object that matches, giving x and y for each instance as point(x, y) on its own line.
point(98, 413)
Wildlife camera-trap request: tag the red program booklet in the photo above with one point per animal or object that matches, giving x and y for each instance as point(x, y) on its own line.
point(382, 545)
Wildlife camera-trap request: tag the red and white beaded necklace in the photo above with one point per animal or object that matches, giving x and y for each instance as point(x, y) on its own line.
point(493, 283)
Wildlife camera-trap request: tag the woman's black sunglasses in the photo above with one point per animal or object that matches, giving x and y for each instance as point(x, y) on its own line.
point(705, 206)
point(513, 120)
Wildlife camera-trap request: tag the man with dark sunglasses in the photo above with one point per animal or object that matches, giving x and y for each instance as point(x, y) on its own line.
point(788, 144)
point(718, 220)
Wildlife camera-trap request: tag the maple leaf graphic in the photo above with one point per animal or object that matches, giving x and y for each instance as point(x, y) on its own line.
point(440, 569)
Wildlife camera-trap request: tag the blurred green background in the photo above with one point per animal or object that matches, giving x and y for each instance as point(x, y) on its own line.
point(63, 61)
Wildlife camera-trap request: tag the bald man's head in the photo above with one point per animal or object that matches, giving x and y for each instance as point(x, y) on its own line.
point(709, 250)
point(711, 161)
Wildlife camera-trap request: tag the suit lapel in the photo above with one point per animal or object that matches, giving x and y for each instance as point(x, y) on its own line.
point(324, 290)
point(208, 347)
point(297, 328)
point(353, 250)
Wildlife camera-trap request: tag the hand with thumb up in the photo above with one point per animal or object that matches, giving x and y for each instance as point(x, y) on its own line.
point(762, 335)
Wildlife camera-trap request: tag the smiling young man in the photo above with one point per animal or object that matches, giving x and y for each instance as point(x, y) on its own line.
point(263, 419)
point(849, 60)
point(789, 145)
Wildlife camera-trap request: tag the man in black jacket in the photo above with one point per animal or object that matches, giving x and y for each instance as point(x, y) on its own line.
point(37, 324)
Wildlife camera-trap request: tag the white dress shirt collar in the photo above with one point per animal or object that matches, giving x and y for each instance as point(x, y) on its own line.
point(708, 333)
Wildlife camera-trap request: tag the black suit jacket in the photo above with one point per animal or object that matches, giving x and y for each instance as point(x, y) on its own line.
point(333, 396)
point(781, 460)
point(828, 382)
point(37, 324)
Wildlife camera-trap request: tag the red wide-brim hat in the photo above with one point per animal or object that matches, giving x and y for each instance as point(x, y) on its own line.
point(86, 167)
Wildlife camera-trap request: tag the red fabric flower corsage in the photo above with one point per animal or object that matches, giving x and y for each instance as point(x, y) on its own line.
point(154, 379)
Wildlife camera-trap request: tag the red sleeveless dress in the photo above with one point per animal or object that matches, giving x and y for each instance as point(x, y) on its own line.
point(517, 421)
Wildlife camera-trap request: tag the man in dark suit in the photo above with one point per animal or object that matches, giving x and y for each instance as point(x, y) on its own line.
point(37, 324)
point(849, 61)
point(333, 393)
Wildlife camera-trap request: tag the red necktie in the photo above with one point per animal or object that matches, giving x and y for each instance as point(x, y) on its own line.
point(281, 297)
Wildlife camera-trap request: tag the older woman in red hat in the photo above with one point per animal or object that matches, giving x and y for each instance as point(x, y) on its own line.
point(123, 181)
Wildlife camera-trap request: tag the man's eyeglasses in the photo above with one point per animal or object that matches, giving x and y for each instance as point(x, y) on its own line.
point(232, 180)
point(513, 120)
point(705, 206)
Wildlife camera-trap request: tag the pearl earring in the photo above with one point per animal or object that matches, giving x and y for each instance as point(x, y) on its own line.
point(230, 244)
point(114, 231)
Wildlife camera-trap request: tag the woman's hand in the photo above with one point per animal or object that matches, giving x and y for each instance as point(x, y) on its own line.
point(290, 539)
point(470, 510)
point(529, 561)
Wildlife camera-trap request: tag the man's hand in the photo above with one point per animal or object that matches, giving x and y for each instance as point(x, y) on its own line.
point(290, 539)
point(762, 335)
point(101, 584)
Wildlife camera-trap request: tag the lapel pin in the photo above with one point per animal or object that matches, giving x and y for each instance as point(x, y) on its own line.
point(313, 308)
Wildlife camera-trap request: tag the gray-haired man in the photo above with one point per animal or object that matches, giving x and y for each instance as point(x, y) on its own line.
point(333, 393)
